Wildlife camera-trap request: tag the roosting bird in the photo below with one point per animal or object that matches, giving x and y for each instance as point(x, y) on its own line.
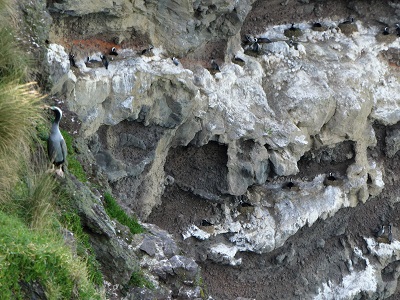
point(56, 147)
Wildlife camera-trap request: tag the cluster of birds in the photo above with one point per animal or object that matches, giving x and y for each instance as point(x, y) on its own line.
point(330, 179)
point(253, 43)
point(380, 233)
point(104, 60)
point(386, 31)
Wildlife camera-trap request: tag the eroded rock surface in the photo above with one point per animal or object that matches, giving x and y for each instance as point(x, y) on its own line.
point(246, 159)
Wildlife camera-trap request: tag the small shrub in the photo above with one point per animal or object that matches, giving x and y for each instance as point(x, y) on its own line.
point(116, 212)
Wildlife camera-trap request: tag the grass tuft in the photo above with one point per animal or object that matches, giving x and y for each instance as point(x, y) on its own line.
point(116, 212)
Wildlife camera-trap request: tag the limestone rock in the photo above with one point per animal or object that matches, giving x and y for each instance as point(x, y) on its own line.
point(190, 24)
point(185, 268)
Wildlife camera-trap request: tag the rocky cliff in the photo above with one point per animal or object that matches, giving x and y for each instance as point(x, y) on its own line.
point(282, 160)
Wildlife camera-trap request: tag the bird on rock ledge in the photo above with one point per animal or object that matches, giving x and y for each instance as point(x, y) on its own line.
point(56, 147)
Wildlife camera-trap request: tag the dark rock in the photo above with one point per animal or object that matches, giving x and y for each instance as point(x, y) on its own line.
point(149, 246)
point(32, 290)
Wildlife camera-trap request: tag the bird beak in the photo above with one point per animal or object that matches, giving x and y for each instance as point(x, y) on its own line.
point(45, 106)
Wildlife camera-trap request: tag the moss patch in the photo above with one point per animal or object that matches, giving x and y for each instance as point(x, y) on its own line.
point(74, 166)
point(138, 279)
point(115, 211)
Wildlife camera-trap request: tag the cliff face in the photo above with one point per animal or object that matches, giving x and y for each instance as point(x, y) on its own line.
point(236, 163)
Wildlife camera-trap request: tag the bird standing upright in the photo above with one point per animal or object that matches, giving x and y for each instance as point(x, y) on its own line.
point(56, 147)
point(105, 61)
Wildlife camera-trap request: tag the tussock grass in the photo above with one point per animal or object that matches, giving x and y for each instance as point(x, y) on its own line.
point(19, 110)
point(28, 256)
point(115, 211)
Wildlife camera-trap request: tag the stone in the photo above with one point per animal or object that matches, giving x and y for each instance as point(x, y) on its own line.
point(183, 267)
point(149, 246)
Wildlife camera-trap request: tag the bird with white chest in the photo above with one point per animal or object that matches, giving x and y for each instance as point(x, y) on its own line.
point(56, 147)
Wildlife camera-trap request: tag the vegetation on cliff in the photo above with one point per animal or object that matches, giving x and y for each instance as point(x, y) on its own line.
point(36, 257)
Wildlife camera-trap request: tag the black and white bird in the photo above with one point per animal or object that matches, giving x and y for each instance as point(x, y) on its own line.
point(256, 46)
point(386, 31)
point(104, 61)
point(92, 62)
point(348, 21)
point(147, 51)
point(56, 147)
point(238, 59)
point(175, 61)
point(72, 60)
point(214, 65)
point(113, 51)
point(262, 40)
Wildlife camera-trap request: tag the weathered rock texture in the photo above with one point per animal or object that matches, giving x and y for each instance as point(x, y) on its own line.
point(238, 159)
point(179, 26)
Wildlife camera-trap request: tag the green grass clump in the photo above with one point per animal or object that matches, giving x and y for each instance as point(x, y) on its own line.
point(116, 212)
point(73, 223)
point(139, 280)
point(28, 256)
point(74, 166)
point(33, 201)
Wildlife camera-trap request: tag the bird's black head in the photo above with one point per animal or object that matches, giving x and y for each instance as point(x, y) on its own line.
point(57, 112)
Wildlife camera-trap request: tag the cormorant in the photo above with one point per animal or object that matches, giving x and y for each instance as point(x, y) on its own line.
point(113, 51)
point(236, 58)
point(147, 50)
point(72, 60)
point(386, 31)
point(214, 65)
point(104, 60)
point(263, 40)
point(175, 61)
point(56, 147)
point(349, 21)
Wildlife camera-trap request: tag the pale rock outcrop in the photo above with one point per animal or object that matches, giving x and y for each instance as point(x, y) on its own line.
point(377, 279)
point(269, 113)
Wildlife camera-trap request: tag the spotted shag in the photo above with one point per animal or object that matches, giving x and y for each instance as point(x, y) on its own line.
point(56, 147)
